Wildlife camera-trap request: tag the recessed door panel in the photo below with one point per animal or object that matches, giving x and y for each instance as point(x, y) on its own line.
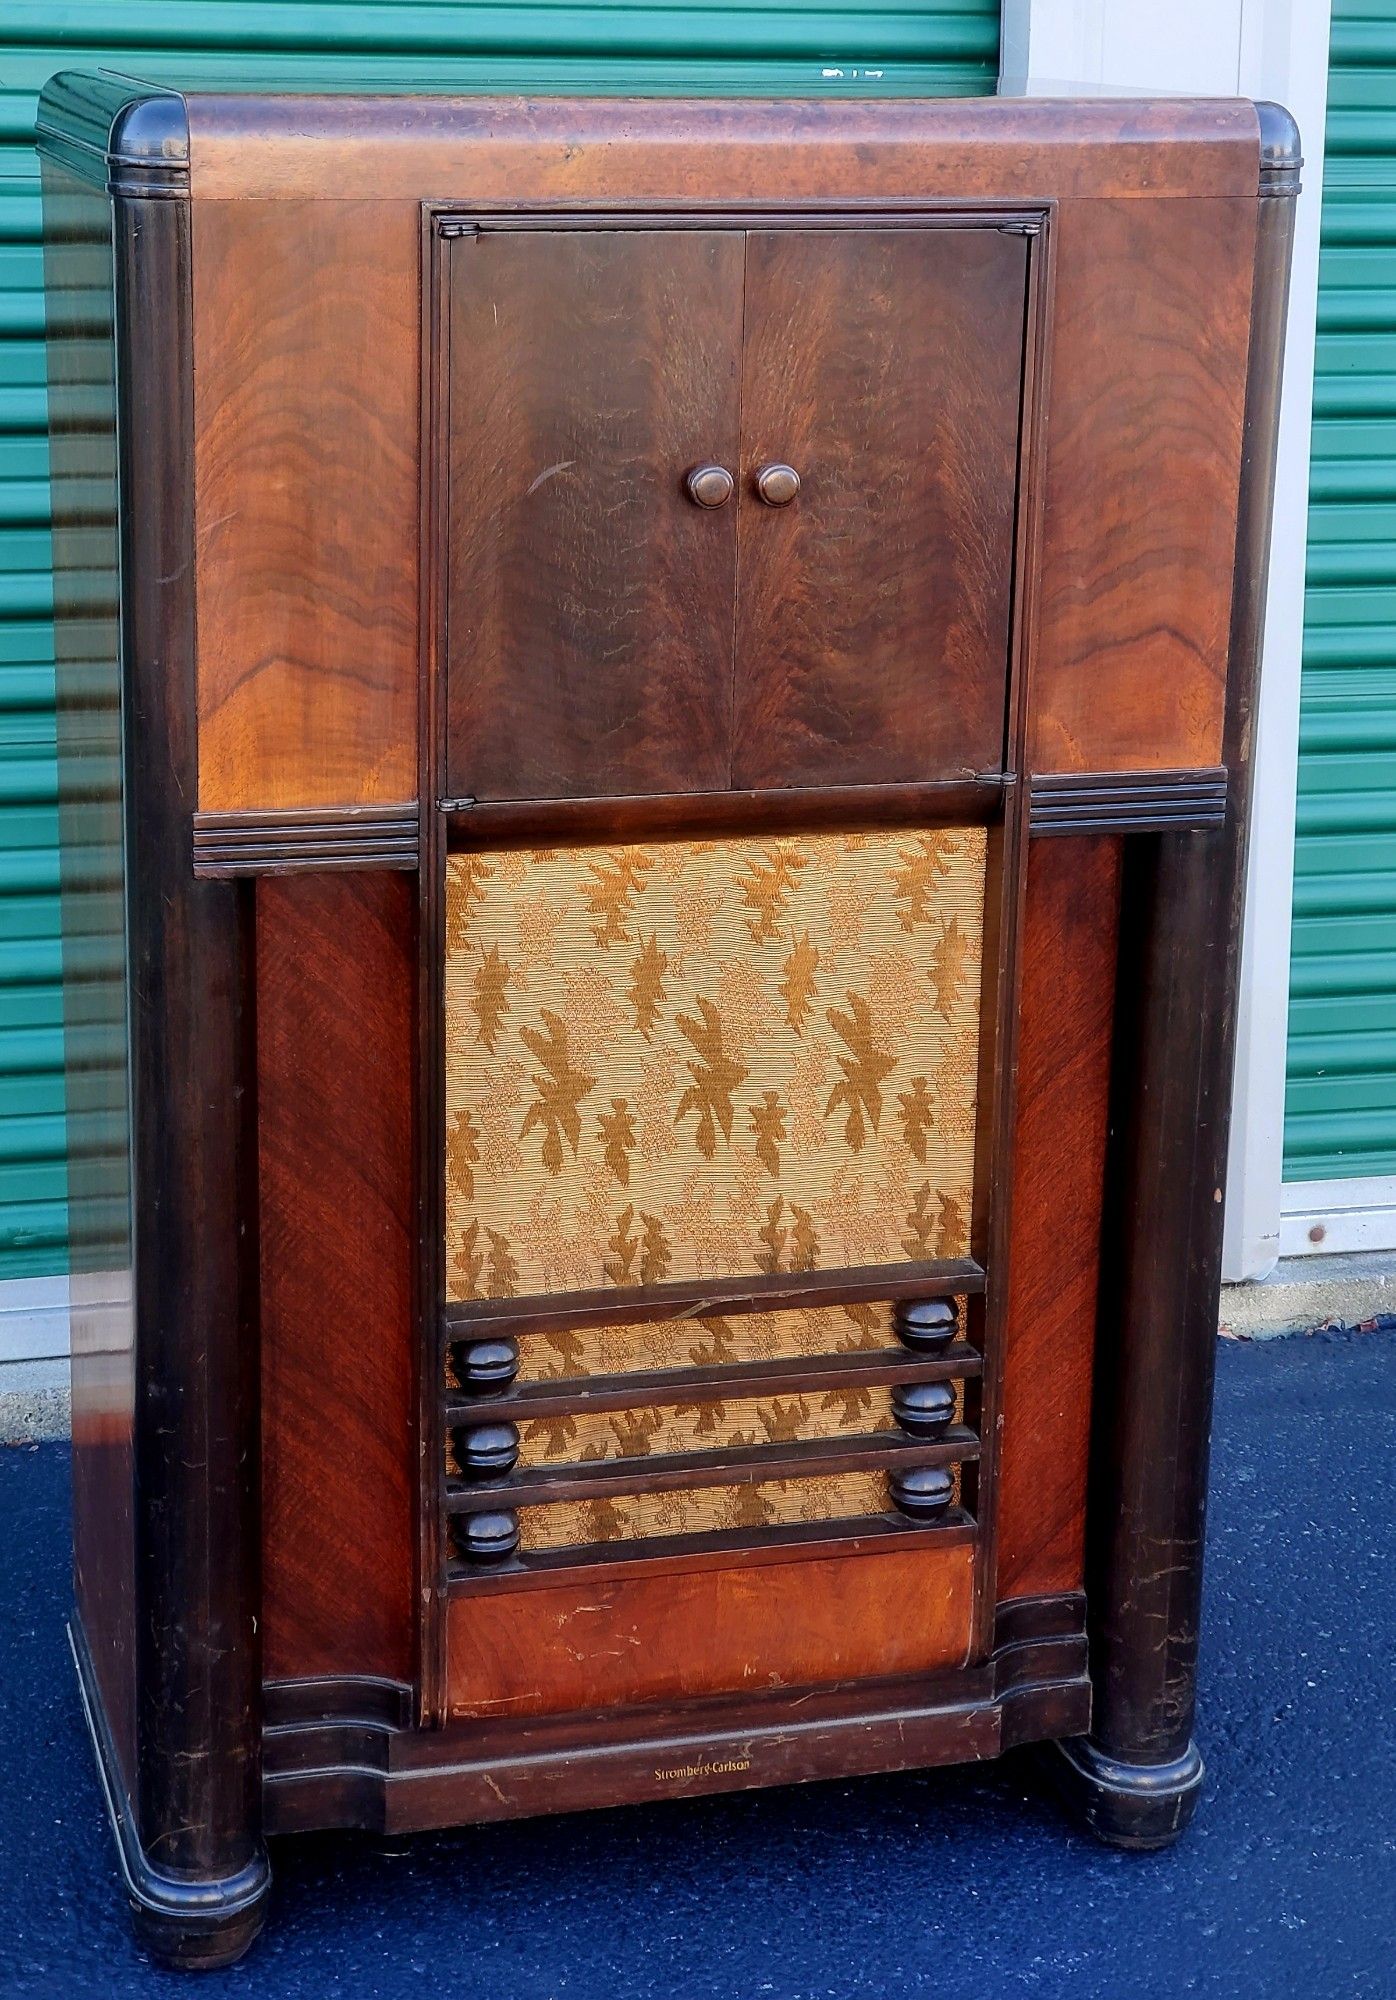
point(883, 367)
point(588, 616)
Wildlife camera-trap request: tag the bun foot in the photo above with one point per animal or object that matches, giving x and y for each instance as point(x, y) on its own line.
point(1123, 1803)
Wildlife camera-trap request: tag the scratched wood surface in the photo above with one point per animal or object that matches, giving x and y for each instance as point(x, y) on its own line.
point(707, 1631)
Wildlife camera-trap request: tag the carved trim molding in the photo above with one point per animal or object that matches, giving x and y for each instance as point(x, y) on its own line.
point(275, 843)
point(1127, 801)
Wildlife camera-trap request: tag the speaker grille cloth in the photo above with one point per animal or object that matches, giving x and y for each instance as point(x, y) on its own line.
point(701, 1510)
point(699, 1059)
point(714, 1340)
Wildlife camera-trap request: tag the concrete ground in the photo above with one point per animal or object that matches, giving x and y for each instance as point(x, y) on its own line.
point(947, 1884)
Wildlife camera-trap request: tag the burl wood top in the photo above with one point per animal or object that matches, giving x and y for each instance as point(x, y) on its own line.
point(567, 149)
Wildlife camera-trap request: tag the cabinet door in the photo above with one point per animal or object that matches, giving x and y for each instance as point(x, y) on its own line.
point(588, 616)
point(884, 366)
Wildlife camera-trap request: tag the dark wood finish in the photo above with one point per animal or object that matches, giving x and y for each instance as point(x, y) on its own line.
point(1140, 802)
point(306, 467)
point(79, 280)
point(698, 1632)
point(192, 1854)
point(872, 610)
point(359, 1773)
point(1067, 1005)
point(1143, 464)
point(588, 602)
point(336, 973)
point(866, 1368)
point(1136, 1778)
point(678, 815)
point(274, 843)
point(747, 1465)
point(947, 1278)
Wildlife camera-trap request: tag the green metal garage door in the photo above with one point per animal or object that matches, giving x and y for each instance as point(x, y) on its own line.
point(1341, 1098)
point(777, 46)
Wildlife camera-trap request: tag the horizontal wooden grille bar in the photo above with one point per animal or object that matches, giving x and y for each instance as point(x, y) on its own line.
point(796, 1541)
point(576, 1395)
point(744, 1466)
point(706, 1297)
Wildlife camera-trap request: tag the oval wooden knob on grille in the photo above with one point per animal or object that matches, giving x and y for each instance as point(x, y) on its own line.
point(923, 1409)
point(924, 1492)
point(709, 485)
point(486, 1451)
point(777, 484)
point(486, 1538)
point(926, 1326)
point(484, 1367)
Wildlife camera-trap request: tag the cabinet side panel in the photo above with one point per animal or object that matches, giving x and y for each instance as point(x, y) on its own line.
point(306, 319)
point(335, 994)
point(1064, 1055)
point(78, 277)
point(1143, 466)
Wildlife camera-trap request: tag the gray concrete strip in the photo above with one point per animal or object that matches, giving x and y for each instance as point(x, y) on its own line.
point(1303, 1294)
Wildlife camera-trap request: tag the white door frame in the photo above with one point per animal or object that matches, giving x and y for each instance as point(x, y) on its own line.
point(1266, 49)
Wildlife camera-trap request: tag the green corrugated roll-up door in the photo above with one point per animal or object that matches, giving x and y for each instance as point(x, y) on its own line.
point(874, 47)
point(1341, 1097)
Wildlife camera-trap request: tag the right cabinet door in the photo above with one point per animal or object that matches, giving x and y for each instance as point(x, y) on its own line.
point(884, 367)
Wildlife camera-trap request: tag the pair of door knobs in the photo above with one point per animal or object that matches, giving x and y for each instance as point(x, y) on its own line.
point(713, 485)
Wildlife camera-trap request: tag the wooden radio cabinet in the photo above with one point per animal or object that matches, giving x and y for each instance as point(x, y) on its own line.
point(654, 709)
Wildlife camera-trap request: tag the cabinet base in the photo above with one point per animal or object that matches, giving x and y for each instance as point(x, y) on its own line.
point(1126, 1804)
point(189, 1924)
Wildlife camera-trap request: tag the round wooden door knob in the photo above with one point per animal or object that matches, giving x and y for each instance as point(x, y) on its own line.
point(710, 485)
point(777, 484)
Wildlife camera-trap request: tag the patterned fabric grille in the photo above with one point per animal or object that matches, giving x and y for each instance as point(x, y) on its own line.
point(706, 1426)
point(696, 1059)
point(703, 1510)
point(804, 1332)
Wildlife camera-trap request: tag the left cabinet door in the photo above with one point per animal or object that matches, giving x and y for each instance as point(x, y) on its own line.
point(588, 618)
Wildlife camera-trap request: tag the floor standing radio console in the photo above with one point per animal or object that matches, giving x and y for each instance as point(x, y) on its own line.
point(654, 707)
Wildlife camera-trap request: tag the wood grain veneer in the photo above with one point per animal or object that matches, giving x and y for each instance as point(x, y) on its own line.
point(885, 366)
point(1143, 465)
point(306, 398)
point(696, 1632)
point(1072, 923)
point(335, 1002)
point(588, 614)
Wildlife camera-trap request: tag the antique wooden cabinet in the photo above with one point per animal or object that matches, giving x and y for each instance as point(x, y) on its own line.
point(655, 702)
